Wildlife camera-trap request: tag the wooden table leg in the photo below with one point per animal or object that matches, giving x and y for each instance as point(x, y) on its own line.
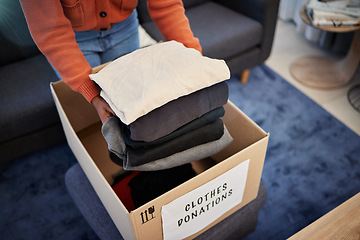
point(320, 72)
point(245, 76)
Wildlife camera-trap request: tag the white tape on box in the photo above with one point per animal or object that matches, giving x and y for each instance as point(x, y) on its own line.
point(195, 210)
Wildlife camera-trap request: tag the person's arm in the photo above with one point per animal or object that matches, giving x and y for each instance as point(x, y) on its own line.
point(169, 16)
point(54, 36)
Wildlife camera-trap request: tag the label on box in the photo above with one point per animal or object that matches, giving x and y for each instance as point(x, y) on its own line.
point(195, 210)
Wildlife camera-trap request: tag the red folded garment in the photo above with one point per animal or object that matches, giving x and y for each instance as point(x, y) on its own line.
point(123, 190)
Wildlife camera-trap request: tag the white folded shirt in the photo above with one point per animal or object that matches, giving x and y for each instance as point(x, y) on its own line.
point(137, 83)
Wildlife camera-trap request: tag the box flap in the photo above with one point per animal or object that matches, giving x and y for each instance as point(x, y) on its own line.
point(81, 113)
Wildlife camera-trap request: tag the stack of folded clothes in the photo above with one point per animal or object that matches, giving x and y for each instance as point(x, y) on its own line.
point(169, 102)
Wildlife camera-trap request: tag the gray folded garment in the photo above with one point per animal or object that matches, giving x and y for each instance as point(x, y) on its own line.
point(169, 117)
point(113, 133)
point(193, 154)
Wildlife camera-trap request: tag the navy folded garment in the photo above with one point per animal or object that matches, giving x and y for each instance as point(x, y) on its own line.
point(193, 154)
point(169, 117)
point(112, 131)
point(147, 186)
point(201, 121)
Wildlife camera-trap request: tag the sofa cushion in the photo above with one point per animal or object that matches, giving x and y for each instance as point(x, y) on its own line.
point(223, 33)
point(26, 101)
point(144, 15)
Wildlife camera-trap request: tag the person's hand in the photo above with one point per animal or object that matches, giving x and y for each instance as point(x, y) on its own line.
point(103, 109)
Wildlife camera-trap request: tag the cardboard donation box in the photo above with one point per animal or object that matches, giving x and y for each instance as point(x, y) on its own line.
point(224, 183)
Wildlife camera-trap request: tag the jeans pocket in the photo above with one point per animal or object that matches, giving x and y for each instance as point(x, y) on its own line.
point(74, 11)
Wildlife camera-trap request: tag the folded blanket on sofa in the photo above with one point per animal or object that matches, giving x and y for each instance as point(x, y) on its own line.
point(141, 81)
point(169, 117)
point(113, 134)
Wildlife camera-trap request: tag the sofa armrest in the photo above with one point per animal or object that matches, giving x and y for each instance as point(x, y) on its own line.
point(255, 9)
point(263, 11)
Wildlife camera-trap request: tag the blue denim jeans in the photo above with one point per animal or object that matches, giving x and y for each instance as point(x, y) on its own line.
point(100, 47)
point(103, 46)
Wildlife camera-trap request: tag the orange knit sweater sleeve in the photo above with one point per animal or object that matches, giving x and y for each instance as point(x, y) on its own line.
point(169, 16)
point(54, 36)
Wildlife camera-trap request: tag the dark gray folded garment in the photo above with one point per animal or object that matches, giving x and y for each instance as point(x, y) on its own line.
point(193, 154)
point(201, 121)
point(113, 133)
point(169, 117)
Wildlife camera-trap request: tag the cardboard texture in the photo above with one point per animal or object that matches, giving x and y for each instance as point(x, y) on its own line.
point(82, 128)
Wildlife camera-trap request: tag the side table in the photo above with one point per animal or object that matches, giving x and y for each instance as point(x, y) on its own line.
point(343, 222)
point(320, 72)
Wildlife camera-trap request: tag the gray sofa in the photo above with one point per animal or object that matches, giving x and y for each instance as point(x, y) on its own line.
point(240, 32)
point(28, 117)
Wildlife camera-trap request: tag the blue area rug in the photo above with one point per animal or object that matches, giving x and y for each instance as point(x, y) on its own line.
point(311, 167)
point(312, 162)
point(34, 200)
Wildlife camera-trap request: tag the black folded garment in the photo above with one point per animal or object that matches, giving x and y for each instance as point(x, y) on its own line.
point(174, 114)
point(201, 121)
point(147, 186)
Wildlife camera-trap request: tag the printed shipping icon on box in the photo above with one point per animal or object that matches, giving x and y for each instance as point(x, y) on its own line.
point(224, 183)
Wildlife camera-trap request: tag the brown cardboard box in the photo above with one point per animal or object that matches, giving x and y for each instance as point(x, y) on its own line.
point(82, 128)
